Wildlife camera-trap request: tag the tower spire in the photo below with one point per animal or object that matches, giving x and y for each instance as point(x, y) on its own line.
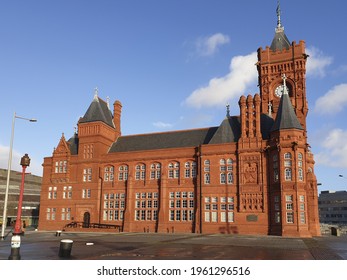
point(279, 28)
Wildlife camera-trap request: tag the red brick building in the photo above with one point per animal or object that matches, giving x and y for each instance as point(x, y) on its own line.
point(252, 174)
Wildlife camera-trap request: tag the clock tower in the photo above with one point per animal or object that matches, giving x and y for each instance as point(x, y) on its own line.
point(283, 58)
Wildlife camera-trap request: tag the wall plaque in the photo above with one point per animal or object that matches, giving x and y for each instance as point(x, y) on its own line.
point(252, 218)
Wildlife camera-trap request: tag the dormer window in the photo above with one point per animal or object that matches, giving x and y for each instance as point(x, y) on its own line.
point(61, 166)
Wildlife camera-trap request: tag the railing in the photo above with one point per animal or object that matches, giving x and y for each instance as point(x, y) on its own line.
point(92, 225)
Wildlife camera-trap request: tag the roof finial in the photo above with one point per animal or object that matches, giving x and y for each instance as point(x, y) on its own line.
point(270, 109)
point(96, 93)
point(228, 110)
point(108, 102)
point(279, 28)
point(284, 78)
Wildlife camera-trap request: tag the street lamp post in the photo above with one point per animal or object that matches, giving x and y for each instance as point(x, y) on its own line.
point(15, 240)
point(4, 215)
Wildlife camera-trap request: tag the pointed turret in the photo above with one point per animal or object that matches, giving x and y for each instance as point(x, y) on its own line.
point(280, 41)
point(227, 132)
point(98, 111)
point(286, 117)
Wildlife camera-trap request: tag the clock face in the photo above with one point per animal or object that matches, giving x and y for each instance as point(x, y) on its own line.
point(279, 90)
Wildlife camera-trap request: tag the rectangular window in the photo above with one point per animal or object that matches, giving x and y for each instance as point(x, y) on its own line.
point(155, 215)
point(54, 210)
point(184, 215)
point(137, 215)
point(214, 217)
point(290, 217)
point(86, 193)
point(184, 203)
point(207, 217)
point(289, 206)
point(143, 215)
point(302, 218)
point(172, 215)
point(277, 217)
point(48, 214)
point(63, 214)
point(230, 217)
point(178, 215)
point(223, 217)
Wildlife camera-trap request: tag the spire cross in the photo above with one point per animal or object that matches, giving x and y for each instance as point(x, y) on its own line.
point(96, 92)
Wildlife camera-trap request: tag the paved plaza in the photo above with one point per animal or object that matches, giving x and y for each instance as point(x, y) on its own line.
point(37, 245)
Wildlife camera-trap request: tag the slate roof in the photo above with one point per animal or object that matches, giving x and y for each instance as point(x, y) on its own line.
point(98, 111)
point(286, 117)
point(165, 140)
point(280, 42)
point(73, 144)
point(229, 131)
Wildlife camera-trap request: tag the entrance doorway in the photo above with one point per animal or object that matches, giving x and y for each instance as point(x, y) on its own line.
point(86, 220)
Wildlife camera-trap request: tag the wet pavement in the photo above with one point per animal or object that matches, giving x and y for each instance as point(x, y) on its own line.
point(37, 245)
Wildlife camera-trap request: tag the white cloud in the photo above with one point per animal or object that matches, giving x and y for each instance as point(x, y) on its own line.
point(162, 124)
point(209, 45)
point(334, 150)
point(220, 90)
point(333, 101)
point(317, 62)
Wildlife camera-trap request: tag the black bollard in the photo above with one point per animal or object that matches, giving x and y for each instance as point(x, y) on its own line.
point(65, 248)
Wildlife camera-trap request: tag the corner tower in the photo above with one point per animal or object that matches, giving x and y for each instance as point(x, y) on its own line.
point(96, 129)
point(283, 58)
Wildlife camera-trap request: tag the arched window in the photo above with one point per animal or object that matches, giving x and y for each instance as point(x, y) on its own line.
point(301, 174)
point(174, 170)
point(190, 169)
point(222, 178)
point(288, 174)
point(108, 173)
point(287, 156)
point(207, 178)
point(207, 171)
point(123, 173)
point(140, 172)
point(155, 171)
point(230, 178)
point(226, 168)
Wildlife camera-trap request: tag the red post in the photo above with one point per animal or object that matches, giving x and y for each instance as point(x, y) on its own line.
point(18, 225)
point(15, 240)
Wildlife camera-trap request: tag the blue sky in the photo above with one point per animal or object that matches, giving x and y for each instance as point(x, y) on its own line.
point(173, 64)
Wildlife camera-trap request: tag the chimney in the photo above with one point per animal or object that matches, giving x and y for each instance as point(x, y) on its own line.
point(117, 110)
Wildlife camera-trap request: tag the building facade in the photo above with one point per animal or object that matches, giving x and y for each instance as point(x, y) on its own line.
point(333, 207)
point(252, 174)
point(31, 197)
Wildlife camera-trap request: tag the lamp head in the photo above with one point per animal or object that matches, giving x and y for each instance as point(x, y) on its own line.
point(25, 160)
